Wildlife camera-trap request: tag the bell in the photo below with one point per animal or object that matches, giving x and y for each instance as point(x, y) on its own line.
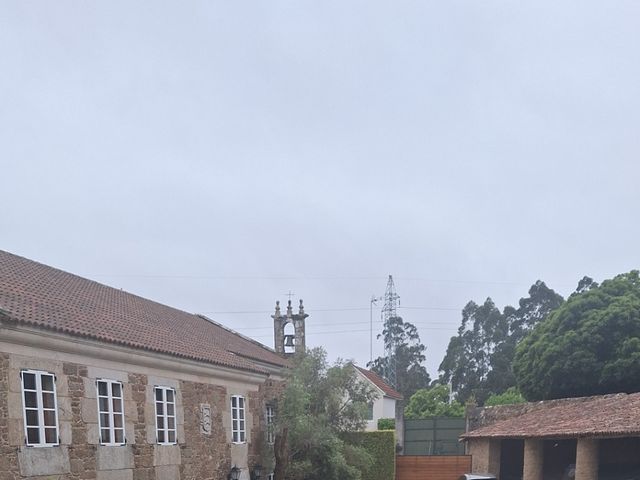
point(288, 341)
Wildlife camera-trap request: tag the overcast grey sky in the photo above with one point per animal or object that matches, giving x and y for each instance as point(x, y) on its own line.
point(214, 155)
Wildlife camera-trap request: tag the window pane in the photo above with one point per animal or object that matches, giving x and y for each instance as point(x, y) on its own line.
point(33, 435)
point(171, 423)
point(170, 396)
point(172, 437)
point(235, 436)
point(160, 423)
point(29, 381)
point(104, 420)
point(117, 405)
point(50, 435)
point(160, 408)
point(50, 418)
point(117, 389)
point(242, 425)
point(105, 436)
point(170, 409)
point(30, 399)
point(161, 436)
point(47, 383)
point(117, 421)
point(159, 394)
point(234, 402)
point(32, 418)
point(104, 404)
point(119, 434)
point(102, 389)
point(242, 436)
point(47, 400)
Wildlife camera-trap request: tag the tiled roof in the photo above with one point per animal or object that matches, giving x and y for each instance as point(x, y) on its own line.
point(378, 381)
point(36, 294)
point(607, 415)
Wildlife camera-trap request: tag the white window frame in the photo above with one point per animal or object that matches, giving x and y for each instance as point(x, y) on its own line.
point(38, 374)
point(271, 476)
point(238, 419)
point(270, 417)
point(111, 414)
point(165, 416)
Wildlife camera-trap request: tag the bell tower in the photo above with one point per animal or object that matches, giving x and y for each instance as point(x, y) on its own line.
point(287, 343)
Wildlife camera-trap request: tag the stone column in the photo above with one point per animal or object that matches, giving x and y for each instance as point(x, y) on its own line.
point(533, 459)
point(587, 459)
point(485, 455)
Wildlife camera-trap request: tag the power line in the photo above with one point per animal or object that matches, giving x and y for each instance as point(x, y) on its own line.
point(379, 322)
point(337, 309)
point(332, 332)
point(311, 277)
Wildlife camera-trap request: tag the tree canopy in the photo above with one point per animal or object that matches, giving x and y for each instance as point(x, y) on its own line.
point(433, 402)
point(508, 397)
point(411, 374)
point(319, 403)
point(478, 361)
point(588, 346)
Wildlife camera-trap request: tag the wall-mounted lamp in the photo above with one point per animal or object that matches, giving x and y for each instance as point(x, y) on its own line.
point(257, 472)
point(234, 474)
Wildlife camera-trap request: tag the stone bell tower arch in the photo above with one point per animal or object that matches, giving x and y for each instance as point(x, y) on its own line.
point(287, 343)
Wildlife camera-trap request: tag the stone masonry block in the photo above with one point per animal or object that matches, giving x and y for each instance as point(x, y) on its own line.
point(168, 472)
point(166, 455)
point(114, 458)
point(114, 474)
point(43, 461)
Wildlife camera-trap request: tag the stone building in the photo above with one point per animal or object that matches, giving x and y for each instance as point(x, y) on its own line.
point(98, 383)
point(583, 438)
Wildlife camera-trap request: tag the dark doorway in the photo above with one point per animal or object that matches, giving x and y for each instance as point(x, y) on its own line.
point(511, 459)
point(559, 459)
point(619, 459)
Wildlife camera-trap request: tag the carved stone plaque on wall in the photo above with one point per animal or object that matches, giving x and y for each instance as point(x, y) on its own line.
point(205, 418)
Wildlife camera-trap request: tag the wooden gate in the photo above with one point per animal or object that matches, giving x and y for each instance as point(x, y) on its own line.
point(446, 467)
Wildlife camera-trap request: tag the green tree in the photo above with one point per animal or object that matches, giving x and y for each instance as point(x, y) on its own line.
point(467, 362)
point(508, 397)
point(531, 310)
point(588, 346)
point(319, 403)
point(433, 402)
point(411, 374)
point(479, 360)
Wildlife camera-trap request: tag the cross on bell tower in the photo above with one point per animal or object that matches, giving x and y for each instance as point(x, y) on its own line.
point(289, 343)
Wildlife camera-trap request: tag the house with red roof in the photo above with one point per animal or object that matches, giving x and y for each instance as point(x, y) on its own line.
point(387, 404)
point(99, 383)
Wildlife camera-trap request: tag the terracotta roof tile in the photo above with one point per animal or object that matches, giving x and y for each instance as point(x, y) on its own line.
point(36, 294)
point(608, 415)
point(379, 382)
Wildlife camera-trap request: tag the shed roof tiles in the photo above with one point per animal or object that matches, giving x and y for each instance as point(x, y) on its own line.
point(600, 416)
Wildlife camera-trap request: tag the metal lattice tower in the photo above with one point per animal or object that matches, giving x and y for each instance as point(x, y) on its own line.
point(389, 312)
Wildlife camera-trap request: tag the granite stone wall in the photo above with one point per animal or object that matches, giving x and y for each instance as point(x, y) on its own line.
point(203, 450)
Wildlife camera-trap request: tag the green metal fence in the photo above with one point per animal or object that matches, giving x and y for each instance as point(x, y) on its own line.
point(433, 436)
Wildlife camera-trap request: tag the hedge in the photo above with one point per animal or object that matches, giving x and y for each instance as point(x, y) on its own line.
point(381, 445)
point(386, 424)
